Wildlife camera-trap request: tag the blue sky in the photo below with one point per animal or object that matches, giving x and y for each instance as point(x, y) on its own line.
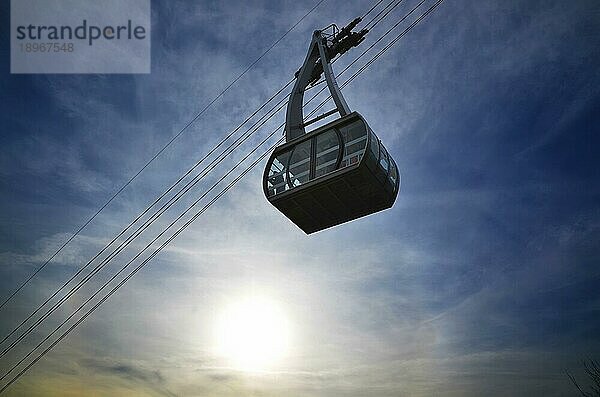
point(481, 280)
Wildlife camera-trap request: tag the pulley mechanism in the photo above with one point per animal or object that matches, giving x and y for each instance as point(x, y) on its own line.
point(337, 43)
point(326, 44)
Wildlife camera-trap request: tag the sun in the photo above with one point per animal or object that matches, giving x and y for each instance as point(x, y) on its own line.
point(253, 334)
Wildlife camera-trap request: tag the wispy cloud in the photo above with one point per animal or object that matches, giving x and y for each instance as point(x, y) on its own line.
point(480, 281)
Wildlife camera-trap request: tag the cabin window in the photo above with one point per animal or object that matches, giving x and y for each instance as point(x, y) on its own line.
point(320, 155)
point(276, 181)
point(355, 141)
point(299, 168)
point(393, 173)
point(374, 145)
point(328, 148)
point(383, 159)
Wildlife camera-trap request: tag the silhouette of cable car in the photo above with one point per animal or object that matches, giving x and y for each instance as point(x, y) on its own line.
point(338, 172)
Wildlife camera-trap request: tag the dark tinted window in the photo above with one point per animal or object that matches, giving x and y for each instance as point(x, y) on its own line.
point(327, 152)
point(383, 159)
point(276, 182)
point(393, 172)
point(299, 170)
point(355, 141)
point(374, 145)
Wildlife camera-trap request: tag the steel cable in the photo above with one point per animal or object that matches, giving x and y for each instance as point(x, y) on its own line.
point(383, 50)
point(121, 247)
point(154, 157)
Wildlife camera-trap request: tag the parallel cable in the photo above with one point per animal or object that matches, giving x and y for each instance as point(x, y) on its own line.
point(81, 319)
point(367, 24)
point(156, 201)
point(371, 9)
point(148, 222)
point(391, 43)
point(383, 50)
point(149, 245)
point(226, 152)
point(372, 44)
point(254, 128)
point(143, 250)
point(153, 218)
point(144, 212)
point(154, 157)
point(394, 26)
point(386, 13)
point(366, 50)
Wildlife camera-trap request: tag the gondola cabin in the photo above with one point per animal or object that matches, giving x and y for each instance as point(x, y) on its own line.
point(332, 175)
point(338, 172)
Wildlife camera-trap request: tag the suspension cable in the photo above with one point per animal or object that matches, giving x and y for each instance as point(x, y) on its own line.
point(154, 157)
point(130, 238)
point(132, 223)
point(150, 244)
point(398, 37)
point(143, 227)
point(156, 238)
point(371, 9)
point(387, 12)
point(380, 12)
point(371, 46)
point(181, 193)
point(207, 169)
point(81, 319)
point(383, 50)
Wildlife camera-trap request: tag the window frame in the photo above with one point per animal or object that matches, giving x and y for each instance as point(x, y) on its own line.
point(310, 163)
point(286, 185)
point(340, 152)
point(312, 137)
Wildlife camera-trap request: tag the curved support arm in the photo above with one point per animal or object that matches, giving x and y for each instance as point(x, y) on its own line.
point(336, 93)
point(294, 118)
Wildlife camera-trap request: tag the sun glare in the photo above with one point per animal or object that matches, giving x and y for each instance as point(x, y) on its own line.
point(253, 334)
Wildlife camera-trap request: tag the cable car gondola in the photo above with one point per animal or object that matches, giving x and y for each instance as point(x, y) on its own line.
point(338, 172)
